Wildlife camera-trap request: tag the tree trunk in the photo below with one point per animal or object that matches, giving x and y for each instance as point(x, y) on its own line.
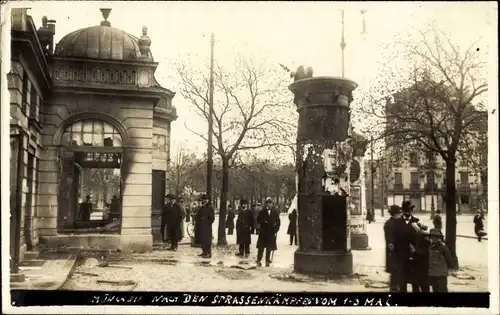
point(221, 240)
point(451, 210)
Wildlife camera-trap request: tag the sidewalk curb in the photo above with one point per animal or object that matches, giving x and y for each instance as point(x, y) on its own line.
point(473, 237)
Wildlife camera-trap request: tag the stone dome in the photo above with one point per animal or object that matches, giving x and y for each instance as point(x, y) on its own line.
point(101, 42)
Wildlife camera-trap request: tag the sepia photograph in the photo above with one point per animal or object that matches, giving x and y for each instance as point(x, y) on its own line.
point(249, 157)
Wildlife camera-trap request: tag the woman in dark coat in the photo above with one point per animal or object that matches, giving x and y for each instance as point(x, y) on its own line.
point(269, 221)
point(230, 220)
point(292, 226)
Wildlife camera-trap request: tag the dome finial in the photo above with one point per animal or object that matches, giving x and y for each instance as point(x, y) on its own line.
point(105, 15)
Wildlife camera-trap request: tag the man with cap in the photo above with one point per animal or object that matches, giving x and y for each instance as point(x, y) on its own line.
point(174, 224)
point(165, 217)
point(244, 226)
point(440, 260)
point(479, 225)
point(391, 264)
point(269, 222)
point(205, 217)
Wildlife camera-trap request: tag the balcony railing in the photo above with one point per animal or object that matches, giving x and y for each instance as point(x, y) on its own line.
point(414, 186)
point(430, 186)
point(397, 186)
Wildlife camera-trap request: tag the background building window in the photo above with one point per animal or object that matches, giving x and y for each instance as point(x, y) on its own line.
point(159, 143)
point(398, 178)
point(25, 92)
point(414, 178)
point(34, 104)
point(413, 159)
point(464, 178)
point(430, 178)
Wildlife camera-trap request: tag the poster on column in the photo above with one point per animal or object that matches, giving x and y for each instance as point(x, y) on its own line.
point(356, 215)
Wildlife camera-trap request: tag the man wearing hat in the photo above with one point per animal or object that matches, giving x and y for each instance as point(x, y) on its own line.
point(174, 223)
point(405, 235)
point(269, 221)
point(205, 217)
point(244, 226)
point(391, 263)
point(165, 217)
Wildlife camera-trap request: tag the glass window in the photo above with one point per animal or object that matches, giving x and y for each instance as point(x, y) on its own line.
point(413, 159)
point(92, 133)
point(414, 178)
point(398, 178)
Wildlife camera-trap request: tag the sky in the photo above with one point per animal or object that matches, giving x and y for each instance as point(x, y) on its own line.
point(291, 33)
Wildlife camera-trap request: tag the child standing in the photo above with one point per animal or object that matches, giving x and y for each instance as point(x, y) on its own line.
point(439, 261)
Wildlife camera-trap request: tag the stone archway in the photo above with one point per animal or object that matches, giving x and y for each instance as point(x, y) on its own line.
point(90, 173)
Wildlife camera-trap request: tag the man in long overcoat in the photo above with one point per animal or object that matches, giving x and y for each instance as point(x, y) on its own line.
point(205, 217)
point(292, 227)
point(244, 226)
point(174, 224)
point(86, 209)
point(405, 236)
point(391, 264)
point(269, 222)
point(230, 220)
point(165, 213)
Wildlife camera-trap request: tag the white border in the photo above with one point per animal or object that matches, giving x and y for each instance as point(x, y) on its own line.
point(493, 219)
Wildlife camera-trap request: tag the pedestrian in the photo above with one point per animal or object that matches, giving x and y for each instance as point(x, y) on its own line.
point(269, 222)
point(404, 247)
point(391, 263)
point(205, 217)
point(440, 260)
point(258, 208)
point(292, 227)
point(230, 220)
point(165, 217)
point(479, 225)
point(253, 211)
point(420, 260)
point(86, 209)
point(244, 225)
point(180, 202)
point(438, 221)
point(188, 214)
point(174, 223)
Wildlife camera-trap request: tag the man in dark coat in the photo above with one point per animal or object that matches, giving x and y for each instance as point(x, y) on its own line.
point(165, 217)
point(269, 222)
point(174, 224)
point(244, 226)
point(205, 217)
point(479, 225)
point(391, 264)
point(230, 220)
point(292, 227)
point(405, 239)
point(86, 209)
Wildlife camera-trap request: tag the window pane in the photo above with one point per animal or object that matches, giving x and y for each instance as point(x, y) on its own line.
point(76, 139)
point(108, 139)
point(87, 126)
point(97, 127)
point(117, 140)
point(98, 139)
point(87, 139)
point(108, 128)
point(77, 126)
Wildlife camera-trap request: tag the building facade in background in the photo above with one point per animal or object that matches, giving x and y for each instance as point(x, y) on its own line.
point(89, 122)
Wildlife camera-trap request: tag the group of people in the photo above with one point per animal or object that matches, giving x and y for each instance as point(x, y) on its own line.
point(414, 255)
point(264, 221)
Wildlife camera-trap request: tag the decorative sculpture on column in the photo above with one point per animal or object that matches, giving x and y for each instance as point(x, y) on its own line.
point(324, 156)
point(359, 238)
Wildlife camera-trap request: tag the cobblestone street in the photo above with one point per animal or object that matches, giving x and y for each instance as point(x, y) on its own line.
point(183, 270)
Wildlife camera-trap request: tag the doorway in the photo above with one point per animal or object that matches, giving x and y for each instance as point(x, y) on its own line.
point(157, 202)
point(28, 218)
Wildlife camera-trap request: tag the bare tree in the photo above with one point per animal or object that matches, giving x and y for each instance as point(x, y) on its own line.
point(432, 108)
point(182, 166)
point(250, 112)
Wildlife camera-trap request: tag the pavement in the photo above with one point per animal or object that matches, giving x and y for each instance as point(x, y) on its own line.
point(183, 270)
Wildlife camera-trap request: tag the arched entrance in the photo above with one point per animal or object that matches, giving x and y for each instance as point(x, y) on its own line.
point(90, 177)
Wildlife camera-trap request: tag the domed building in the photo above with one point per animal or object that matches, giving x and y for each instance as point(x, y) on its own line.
point(90, 136)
